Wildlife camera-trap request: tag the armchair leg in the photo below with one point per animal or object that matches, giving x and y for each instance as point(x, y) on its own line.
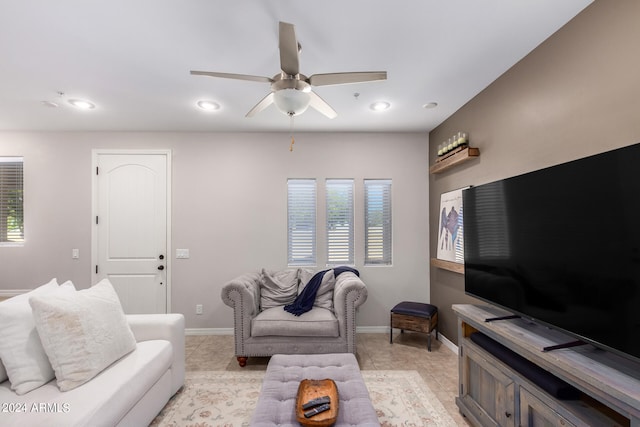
point(242, 361)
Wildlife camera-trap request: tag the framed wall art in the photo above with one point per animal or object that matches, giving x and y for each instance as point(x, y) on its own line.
point(450, 227)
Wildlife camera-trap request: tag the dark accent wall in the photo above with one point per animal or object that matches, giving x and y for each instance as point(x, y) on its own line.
point(575, 95)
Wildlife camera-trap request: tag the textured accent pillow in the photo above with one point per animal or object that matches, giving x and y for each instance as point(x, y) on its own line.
point(304, 275)
point(324, 296)
point(21, 351)
point(82, 333)
point(278, 288)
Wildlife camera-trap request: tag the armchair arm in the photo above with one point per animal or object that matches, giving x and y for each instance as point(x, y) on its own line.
point(243, 295)
point(168, 327)
point(349, 293)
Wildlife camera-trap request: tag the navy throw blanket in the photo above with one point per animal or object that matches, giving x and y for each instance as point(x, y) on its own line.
point(304, 301)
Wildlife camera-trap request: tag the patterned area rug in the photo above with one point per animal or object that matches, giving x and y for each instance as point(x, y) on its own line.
point(219, 398)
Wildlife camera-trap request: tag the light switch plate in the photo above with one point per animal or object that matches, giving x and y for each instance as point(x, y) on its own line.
point(182, 253)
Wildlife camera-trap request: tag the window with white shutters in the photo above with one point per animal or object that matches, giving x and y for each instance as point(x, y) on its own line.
point(301, 222)
point(340, 236)
point(11, 200)
point(378, 225)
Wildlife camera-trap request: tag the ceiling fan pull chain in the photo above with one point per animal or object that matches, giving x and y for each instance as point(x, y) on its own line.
point(291, 133)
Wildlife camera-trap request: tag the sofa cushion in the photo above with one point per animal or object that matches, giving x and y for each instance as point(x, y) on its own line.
point(104, 400)
point(324, 296)
point(319, 322)
point(82, 332)
point(278, 288)
point(21, 351)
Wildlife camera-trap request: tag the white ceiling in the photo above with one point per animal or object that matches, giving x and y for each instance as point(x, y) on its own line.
point(132, 59)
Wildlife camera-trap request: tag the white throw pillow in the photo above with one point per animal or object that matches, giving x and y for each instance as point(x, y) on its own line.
point(82, 333)
point(21, 352)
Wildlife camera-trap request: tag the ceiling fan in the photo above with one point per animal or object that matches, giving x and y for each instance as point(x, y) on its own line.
point(291, 91)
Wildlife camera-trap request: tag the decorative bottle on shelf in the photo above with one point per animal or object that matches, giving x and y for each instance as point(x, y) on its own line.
point(462, 139)
point(450, 144)
point(455, 141)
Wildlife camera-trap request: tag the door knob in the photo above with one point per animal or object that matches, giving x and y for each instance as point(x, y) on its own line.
point(161, 257)
point(161, 267)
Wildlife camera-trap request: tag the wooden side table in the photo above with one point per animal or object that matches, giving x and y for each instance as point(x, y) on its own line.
point(416, 317)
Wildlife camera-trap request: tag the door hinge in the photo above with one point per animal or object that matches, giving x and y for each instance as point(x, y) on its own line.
point(461, 389)
point(96, 269)
point(96, 219)
point(97, 170)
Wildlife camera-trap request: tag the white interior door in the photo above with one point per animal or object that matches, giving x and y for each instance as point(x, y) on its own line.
point(131, 205)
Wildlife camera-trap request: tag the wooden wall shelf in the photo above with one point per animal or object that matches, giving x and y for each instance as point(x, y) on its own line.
point(455, 159)
point(448, 265)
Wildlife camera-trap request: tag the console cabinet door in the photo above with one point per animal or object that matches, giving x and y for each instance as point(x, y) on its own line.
point(535, 413)
point(485, 390)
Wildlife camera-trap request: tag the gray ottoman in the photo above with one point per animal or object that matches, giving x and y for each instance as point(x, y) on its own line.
point(276, 404)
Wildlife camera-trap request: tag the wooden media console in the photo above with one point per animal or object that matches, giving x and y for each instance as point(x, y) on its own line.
point(506, 379)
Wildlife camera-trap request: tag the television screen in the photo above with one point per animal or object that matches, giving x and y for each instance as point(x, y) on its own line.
point(562, 246)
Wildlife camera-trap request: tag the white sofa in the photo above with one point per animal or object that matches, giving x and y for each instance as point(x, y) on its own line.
point(130, 392)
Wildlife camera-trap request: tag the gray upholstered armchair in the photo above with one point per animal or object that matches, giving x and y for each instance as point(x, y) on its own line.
point(263, 328)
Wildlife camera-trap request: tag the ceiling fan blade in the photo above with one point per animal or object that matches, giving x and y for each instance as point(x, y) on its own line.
point(233, 76)
point(264, 103)
point(346, 78)
point(288, 49)
point(322, 106)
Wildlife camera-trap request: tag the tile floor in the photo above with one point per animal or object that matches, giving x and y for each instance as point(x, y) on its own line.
point(438, 368)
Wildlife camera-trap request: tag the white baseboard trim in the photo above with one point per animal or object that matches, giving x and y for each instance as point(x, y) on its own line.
point(8, 293)
point(208, 331)
point(445, 342)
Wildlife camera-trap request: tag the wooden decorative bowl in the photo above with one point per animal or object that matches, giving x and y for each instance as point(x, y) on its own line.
point(311, 389)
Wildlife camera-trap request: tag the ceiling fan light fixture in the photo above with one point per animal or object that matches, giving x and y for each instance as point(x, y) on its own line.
point(82, 104)
point(380, 106)
point(208, 105)
point(292, 102)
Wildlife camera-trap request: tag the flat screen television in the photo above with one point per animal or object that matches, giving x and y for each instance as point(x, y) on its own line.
point(561, 246)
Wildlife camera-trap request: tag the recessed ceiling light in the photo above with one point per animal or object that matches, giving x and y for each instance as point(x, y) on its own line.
point(380, 106)
point(208, 105)
point(82, 104)
point(430, 105)
point(50, 104)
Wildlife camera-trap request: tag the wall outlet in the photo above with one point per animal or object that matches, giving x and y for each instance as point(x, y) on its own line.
point(198, 308)
point(75, 253)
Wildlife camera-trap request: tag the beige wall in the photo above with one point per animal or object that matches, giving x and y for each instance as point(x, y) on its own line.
point(228, 208)
point(577, 94)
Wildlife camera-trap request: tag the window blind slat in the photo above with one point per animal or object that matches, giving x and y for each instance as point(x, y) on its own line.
point(11, 200)
point(340, 235)
point(301, 212)
point(378, 224)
